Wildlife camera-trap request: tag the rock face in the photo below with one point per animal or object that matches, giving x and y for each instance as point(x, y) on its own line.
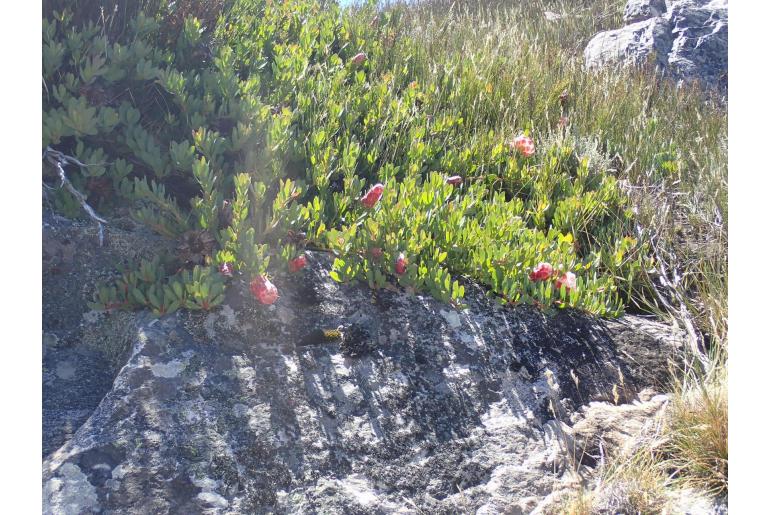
point(638, 10)
point(74, 382)
point(685, 39)
point(420, 408)
point(80, 360)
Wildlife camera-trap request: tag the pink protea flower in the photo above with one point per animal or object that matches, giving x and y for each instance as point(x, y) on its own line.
point(563, 121)
point(401, 263)
point(454, 180)
point(297, 264)
point(372, 196)
point(524, 145)
point(542, 272)
point(358, 58)
point(376, 253)
point(568, 280)
point(226, 269)
point(265, 291)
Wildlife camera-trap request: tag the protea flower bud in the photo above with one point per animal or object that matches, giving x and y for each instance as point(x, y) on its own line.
point(454, 180)
point(264, 291)
point(524, 145)
point(372, 196)
point(226, 269)
point(401, 263)
point(298, 263)
point(567, 280)
point(541, 272)
point(358, 58)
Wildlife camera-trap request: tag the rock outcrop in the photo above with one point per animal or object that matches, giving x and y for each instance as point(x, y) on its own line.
point(81, 359)
point(685, 39)
point(418, 408)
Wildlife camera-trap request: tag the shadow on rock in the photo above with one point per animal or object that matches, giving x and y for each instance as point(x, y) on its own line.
point(238, 411)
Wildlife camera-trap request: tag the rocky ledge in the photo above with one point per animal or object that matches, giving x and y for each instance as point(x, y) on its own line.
point(416, 408)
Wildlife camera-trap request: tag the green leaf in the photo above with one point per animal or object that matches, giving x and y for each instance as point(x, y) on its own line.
point(137, 294)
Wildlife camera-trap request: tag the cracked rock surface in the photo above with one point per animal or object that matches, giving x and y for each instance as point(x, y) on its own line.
point(418, 408)
point(685, 39)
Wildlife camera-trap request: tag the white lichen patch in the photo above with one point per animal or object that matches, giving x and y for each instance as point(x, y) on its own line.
point(501, 417)
point(153, 438)
point(206, 483)
point(50, 340)
point(360, 489)
point(399, 378)
point(229, 315)
point(331, 308)
point(452, 318)
point(456, 372)
point(240, 410)
point(349, 389)
point(360, 428)
point(472, 340)
point(286, 316)
point(213, 499)
point(120, 471)
point(191, 413)
point(168, 370)
point(70, 493)
point(65, 370)
point(291, 364)
point(208, 495)
point(259, 418)
point(208, 324)
point(340, 368)
point(247, 375)
point(93, 316)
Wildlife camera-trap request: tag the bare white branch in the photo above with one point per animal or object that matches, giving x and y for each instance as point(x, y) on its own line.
point(59, 160)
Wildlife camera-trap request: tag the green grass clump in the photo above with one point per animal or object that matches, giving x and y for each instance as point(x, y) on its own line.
point(251, 121)
point(696, 450)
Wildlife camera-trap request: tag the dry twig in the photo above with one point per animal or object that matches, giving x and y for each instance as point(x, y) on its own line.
point(59, 160)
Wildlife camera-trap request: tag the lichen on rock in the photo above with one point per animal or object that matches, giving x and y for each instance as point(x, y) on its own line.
point(684, 39)
point(416, 408)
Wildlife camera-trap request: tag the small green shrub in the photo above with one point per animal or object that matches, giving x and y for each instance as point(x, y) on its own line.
point(149, 286)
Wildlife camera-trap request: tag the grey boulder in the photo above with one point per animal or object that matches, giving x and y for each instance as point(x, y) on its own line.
point(684, 39)
point(638, 10)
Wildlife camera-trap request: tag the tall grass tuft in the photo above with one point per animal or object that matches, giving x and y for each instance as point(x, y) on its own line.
point(696, 451)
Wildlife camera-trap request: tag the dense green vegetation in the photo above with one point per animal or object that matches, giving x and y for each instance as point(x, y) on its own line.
point(235, 126)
